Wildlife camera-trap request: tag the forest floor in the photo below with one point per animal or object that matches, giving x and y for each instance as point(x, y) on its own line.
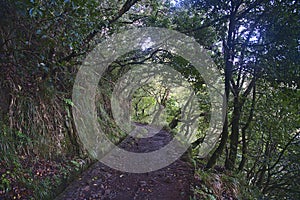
point(102, 182)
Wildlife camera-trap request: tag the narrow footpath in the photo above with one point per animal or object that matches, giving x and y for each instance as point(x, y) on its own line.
point(104, 183)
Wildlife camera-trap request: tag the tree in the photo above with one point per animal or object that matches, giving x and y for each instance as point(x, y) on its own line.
point(241, 28)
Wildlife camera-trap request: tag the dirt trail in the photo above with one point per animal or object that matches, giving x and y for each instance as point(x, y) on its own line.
point(102, 182)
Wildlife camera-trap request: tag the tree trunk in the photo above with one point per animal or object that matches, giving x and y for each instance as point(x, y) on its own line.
point(218, 152)
point(156, 121)
point(234, 137)
point(244, 137)
point(244, 150)
point(228, 57)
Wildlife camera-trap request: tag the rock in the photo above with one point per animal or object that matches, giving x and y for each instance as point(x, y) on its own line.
point(143, 183)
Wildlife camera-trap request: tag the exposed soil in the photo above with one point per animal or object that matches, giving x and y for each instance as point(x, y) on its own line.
point(102, 182)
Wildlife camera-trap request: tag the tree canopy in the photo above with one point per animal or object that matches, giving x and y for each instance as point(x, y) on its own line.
point(255, 45)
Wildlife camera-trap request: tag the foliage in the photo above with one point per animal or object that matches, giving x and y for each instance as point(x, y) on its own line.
point(41, 43)
point(216, 185)
point(275, 144)
point(254, 43)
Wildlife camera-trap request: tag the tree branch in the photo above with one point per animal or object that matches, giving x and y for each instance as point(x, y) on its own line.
point(284, 149)
point(127, 5)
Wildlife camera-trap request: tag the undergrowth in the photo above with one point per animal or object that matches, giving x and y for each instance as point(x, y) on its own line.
point(24, 175)
point(218, 184)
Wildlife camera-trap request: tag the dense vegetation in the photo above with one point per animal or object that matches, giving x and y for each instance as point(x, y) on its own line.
point(254, 43)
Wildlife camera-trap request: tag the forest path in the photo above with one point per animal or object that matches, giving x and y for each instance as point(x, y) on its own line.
point(102, 182)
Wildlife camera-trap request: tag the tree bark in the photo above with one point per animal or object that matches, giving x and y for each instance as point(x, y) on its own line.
point(228, 57)
point(234, 137)
point(218, 152)
point(244, 137)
